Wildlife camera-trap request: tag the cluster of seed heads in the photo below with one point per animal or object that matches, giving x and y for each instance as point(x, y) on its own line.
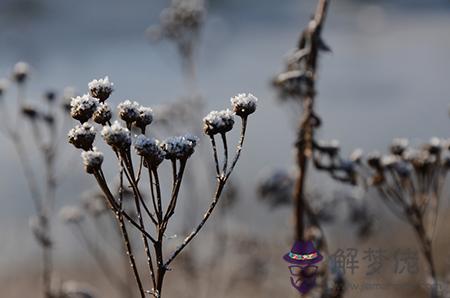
point(119, 137)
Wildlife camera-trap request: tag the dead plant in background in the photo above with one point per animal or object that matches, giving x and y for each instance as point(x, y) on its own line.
point(44, 124)
point(409, 180)
point(298, 82)
point(157, 211)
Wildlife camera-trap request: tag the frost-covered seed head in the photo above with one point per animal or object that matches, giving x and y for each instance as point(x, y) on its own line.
point(83, 107)
point(356, 155)
point(92, 160)
point(180, 147)
point(435, 145)
point(101, 88)
point(145, 117)
point(374, 160)
point(399, 145)
point(128, 111)
point(218, 122)
point(82, 136)
point(20, 72)
point(117, 136)
point(103, 114)
point(71, 214)
point(390, 161)
point(244, 104)
point(150, 149)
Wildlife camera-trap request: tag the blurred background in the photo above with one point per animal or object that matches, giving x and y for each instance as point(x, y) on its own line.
point(387, 76)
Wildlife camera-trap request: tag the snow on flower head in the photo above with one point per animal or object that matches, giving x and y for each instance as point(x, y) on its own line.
point(218, 122)
point(180, 147)
point(103, 114)
point(101, 88)
point(82, 136)
point(399, 145)
point(145, 117)
point(92, 160)
point(128, 111)
point(21, 71)
point(83, 107)
point(117, 136)
point(71, 214)
point(244, 104)
point(150, 149)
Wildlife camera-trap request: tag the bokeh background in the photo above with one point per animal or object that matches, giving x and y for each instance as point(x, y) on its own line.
point(387, 76)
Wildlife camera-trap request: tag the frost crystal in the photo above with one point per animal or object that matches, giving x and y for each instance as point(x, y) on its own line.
point(180, 147)
point(82, 136)
point(145, 117)
point(150, 149)
point(117, 136)
point(71, 214)
point(83, 107)
point(128, 111)
point(244, 104)
point(218, 122)
point(101, 88)
point(92, 160)
point(103, 114)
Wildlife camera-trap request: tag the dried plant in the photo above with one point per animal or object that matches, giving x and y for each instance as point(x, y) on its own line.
point(409, 180)
point(45, 125)
point(152, 154)
point(181, 23)
point(298, 82)
point(94, 211)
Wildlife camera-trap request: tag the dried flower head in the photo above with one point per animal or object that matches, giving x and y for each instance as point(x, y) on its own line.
point(180, 147)
point(374, 160)
point(20, 72)
point(103, 114)
point(92, 160)
point(150, 149)
point(82, 136)
point(356, 155)
point(117, 136)
point(145, 117)
point(398, 146)
point(244, 104)
point(71, 214)
point(390, 161)
point(128, 111)
point(101, 88)
point(180, 22)
point(218, 122)
point(83, 107)
point(435, 145)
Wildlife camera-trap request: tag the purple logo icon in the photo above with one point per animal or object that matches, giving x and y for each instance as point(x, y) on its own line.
point(303, 258)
